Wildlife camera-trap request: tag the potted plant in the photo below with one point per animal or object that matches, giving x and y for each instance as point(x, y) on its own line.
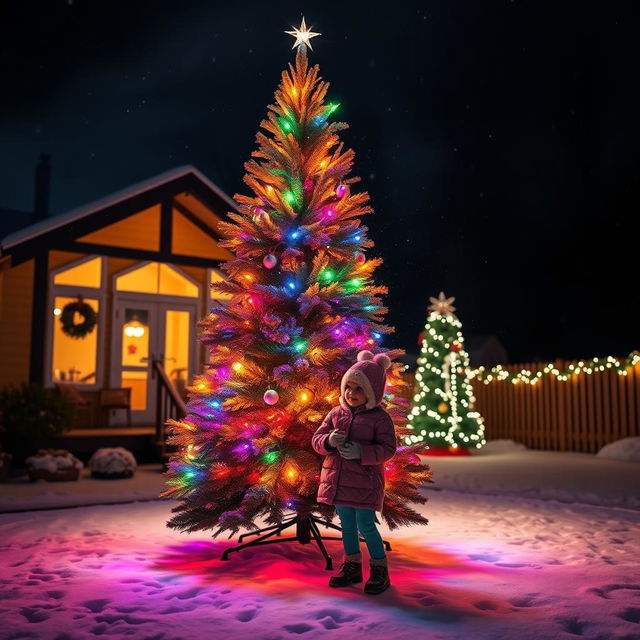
point(30, 416)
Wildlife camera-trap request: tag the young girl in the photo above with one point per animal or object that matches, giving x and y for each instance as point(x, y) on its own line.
point(357, 438)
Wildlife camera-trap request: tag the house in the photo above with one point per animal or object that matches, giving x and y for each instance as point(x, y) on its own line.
point(142, 260)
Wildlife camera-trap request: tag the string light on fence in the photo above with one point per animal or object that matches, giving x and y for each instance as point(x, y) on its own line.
point(499, 373)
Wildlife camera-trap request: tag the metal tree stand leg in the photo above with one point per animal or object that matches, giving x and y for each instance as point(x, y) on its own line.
point(306, 527)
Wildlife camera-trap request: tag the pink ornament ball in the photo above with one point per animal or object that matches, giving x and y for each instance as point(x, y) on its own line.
point(341, 190)
point(271, 396)
point(360, 257)
point(270, 261)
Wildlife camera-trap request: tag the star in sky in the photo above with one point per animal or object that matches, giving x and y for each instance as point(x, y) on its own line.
point(302, 35)
point(441, 304)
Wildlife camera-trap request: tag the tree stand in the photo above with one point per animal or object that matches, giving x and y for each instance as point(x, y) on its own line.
point(306, 526)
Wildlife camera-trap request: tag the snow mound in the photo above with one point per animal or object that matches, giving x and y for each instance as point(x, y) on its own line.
point(112, 462)
point(627, 449)
point(59, 460)
point(499, 446)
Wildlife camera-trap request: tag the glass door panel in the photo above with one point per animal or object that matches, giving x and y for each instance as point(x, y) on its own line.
point(177, 345)
point(135, 337)
point(138, 382)
point(135, 332)
point(144, 331)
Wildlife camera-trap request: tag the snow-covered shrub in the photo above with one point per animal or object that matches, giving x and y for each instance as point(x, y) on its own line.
point(112, 462)
point(53, 460)
point(627, 449)
point(53, 465)
point(499, 446)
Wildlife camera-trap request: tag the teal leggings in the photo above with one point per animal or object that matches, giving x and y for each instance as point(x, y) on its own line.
point(353, 520)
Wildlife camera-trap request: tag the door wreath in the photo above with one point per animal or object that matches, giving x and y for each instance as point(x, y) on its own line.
point(67, 318)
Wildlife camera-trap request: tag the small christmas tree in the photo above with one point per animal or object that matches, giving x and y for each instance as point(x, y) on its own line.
point(443, 414)
point(303, 304)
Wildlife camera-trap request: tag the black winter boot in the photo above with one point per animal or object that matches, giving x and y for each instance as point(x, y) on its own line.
point(350, 572)
point(378, 578)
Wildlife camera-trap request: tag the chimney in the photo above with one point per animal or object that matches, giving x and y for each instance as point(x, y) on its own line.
point(43, 180)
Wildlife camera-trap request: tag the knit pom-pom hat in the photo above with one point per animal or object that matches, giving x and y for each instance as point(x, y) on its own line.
point(370, 373)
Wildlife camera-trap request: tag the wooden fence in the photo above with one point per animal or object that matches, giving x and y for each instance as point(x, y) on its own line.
point(582, 413)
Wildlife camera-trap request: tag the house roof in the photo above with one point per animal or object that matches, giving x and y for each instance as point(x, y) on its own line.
point(48, 224)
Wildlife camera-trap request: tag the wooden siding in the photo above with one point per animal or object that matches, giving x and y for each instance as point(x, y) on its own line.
point(139, 231)
point(201, 210)
point(189, 240)
point(61, 258)
point(15, 323)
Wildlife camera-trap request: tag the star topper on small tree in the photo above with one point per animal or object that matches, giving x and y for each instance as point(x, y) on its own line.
point(441, 304)
point(302, 34)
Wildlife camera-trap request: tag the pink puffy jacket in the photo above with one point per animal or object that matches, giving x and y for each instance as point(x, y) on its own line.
point(355, 483)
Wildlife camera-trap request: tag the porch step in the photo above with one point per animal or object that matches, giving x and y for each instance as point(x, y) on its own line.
point(84, 442)
point(111, 431)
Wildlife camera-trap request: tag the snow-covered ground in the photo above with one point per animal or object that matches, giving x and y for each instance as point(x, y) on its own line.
point(521, 545)
point(546, 475)
point(485, 568)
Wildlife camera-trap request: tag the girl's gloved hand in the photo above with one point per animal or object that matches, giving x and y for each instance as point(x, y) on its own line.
point(349, 450)
point(336, 438)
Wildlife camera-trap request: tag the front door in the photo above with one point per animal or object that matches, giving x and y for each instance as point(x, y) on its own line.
point(146, 331)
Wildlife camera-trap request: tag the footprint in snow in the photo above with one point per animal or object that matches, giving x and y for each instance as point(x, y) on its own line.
point(606, 590)
point(96, 606)
point(246, 615)
point(99, 629)
point(297, 628)
point(335, 614)
point(485, 557)
point(572, 625)
point(630, 614)
point(529, 600)
point(34, 614)
point(187, 606)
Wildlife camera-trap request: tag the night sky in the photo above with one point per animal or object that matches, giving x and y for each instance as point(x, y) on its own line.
point(499, 140)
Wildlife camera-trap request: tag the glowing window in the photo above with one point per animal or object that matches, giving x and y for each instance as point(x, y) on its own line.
point(157, 278)
point(74, 359)
point(85, 274)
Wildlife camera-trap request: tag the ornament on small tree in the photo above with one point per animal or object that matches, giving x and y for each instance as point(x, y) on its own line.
point(270, 261)
point(443, 413)
point(271, 396)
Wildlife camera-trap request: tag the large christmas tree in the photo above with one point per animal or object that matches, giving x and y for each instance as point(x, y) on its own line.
point(443, 414)
point(303, 304)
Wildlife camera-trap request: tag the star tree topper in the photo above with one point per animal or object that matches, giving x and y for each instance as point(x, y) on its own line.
point(302, 35)
point(441, 304)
